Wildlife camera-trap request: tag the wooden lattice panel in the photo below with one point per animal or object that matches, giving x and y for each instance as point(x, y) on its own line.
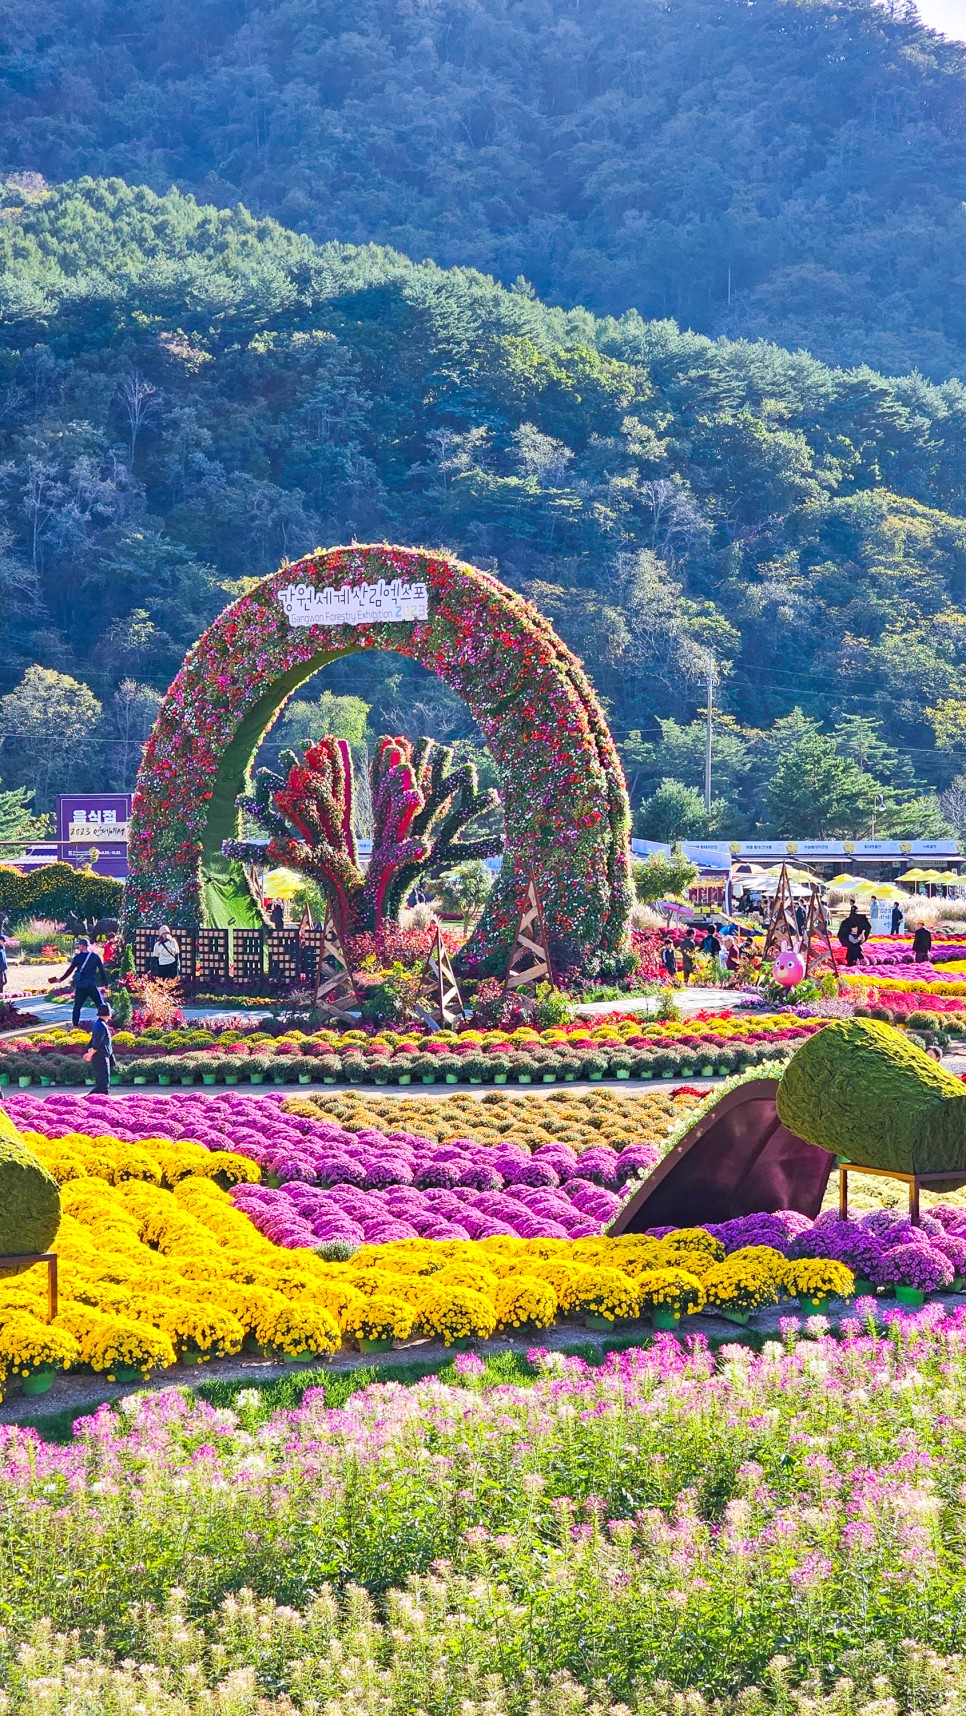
point(143, 941)
point(248, 955)
point(212, 965)
point(187, 940)
point(283, 957)
point(311, 943)
point(141, 944)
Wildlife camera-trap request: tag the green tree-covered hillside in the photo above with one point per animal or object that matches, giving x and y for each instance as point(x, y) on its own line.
point(188, 395)
point(791, 169)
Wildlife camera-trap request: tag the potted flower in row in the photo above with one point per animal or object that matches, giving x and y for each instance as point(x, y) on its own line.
point(381, 1321)
point(34, 1351)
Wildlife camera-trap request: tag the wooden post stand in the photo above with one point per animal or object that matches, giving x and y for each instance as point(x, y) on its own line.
point(26, 1262)
point(529, 962)
point(915, 1182)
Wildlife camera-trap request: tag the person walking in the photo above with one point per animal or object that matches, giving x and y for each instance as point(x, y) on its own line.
point(801, 917)
point(922, 945)
point(86, 970)
point(896, 924)
point(3, 963)
point(669, 958)
point(687, 950)
point(278, 916)
point(100, 1051)
point(854, 931)
point(711, 944)
point(166, 954)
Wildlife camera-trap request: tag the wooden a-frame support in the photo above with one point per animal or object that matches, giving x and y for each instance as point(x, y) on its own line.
point(529, 962)
point(440, 1002)
point(335, 990)
point(817, 942)
point(814, 940)
point(782, 925)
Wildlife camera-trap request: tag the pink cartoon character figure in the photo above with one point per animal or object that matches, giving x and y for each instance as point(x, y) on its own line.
point(789, 968)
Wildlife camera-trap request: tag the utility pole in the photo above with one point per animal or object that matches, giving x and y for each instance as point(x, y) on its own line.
point(708, 735)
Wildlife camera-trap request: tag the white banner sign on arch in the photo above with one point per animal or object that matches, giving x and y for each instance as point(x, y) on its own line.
point(355, 604)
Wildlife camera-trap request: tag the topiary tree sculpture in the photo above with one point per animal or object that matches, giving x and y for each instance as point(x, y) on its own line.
point(863, 1091)
point(29, 1197)
point(422, 807)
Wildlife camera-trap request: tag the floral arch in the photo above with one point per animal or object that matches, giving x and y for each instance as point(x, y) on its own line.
point(564, 799)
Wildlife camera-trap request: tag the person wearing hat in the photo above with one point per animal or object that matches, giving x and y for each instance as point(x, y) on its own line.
point(100, 1051)
point(166, 954)
point(86, 970)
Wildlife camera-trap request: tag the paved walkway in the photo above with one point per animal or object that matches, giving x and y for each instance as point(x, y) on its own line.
point(687, 1001)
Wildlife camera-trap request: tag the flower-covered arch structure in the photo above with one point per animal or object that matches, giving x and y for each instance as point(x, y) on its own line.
point(564, 799)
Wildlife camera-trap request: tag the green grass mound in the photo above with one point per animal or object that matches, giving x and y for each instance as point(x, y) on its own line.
point(863, 1091)
point(29, 1196)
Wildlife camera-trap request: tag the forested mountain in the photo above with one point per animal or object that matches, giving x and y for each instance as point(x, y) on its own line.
point(187, 395)
point(789, 169)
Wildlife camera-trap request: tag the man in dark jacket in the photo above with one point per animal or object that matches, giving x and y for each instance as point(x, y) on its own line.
point(100, 1050)
point(921, 945)
point(669, 958)
point(87, 971)
point(854, 932)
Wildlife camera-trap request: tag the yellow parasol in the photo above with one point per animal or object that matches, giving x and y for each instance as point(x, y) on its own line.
point(845, 881)
point(281, 885)
point(917, 876)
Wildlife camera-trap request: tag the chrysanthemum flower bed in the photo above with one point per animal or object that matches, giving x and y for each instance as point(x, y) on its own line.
point(772, 1531)
point(882, 1248)
point(150, 1274)
point(704, 1046)
point(914, 1010)
point(322, 1178)
point(897, 950)
point(933, 987)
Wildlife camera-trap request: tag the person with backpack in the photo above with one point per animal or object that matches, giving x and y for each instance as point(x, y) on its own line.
point(100, 1051)
point(711, 944)
point(86, 970)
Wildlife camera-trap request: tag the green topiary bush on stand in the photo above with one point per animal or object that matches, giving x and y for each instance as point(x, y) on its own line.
point(29, 1197)
point(863, 1091)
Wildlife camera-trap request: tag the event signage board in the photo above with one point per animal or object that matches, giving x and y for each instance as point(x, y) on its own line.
point(355, 604)
point(710, 855)
point(92, 823)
